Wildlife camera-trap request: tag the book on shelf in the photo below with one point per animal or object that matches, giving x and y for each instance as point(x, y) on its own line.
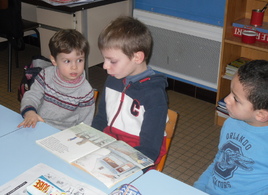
point(97, 153)
point(229, 77)
point(221, 109)
point(233, 66)
point(239, 62)
point(230, 72)
point(222, 103)
point(221, 114)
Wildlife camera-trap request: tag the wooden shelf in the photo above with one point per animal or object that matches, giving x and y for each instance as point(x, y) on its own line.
point(256, 46)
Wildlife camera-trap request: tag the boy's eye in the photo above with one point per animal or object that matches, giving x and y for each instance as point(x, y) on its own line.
point(113, 62)
point(66, 61)
point(80, 60)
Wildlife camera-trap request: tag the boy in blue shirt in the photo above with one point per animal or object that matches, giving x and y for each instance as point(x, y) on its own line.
point(241, 164)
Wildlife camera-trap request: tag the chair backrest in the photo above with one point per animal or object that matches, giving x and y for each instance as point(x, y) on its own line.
point(96, 93)
point(170, 127)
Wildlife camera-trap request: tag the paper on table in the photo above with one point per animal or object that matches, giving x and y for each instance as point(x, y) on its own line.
point(18, 185)
point(66, 2)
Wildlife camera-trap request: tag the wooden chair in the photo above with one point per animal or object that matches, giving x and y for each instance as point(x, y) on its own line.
point(96, 93)
point(170, 127)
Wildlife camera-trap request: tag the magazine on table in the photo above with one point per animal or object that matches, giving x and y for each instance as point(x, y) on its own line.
point(97, 153)
point(42, 179)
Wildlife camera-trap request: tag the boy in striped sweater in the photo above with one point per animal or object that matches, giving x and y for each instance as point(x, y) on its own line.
point(60, 95)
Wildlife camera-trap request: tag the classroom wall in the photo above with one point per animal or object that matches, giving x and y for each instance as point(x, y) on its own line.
point(205, 11)
point(187, 44)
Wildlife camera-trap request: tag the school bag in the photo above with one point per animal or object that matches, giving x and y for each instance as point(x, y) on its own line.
point(30, 72)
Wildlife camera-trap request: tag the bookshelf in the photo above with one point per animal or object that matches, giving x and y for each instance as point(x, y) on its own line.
point(232, 47)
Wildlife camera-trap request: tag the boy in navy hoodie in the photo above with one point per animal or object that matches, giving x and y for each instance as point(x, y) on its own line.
point(133, 106)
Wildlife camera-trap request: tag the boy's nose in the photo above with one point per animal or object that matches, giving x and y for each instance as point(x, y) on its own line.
point(73, 66)
point(105, 66)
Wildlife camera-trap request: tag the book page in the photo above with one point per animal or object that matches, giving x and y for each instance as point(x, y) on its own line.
point(19, 185)
point(130, 154)
point(75, 142)
point(113, 163)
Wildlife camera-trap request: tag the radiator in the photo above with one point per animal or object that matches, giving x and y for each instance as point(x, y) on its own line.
point(184, 50)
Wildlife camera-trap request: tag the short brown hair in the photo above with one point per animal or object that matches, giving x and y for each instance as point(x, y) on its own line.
point(66, 40)
point(128, 34)
point(254, 78)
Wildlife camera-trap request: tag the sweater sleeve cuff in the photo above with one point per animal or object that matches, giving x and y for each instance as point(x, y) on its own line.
point(26, 109)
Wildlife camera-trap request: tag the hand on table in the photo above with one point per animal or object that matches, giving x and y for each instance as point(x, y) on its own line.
point(30, 119)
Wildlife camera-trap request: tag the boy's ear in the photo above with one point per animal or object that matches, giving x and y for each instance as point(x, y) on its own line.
point(262, 115)
point(52, 59)
point(138, 57)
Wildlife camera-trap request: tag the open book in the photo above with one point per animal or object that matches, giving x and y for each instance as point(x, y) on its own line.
point(97, 153)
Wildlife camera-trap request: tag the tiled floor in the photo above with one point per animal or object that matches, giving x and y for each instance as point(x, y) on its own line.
point(196, 137)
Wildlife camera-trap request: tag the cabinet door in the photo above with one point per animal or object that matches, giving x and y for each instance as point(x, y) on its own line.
point(45, 35)
point(53, 20)
point(97, 19)
point(56, 19)
point(28, 12)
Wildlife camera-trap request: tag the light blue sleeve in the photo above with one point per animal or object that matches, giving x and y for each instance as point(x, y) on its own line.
point(206, 176)
point(201, 183)
point(203, 180)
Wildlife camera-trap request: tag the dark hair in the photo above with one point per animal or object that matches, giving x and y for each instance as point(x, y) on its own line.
point(254, 78)
point(128, 34)
point(66, 40)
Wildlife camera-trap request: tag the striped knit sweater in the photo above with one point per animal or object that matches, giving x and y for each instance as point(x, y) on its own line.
point(61, 104)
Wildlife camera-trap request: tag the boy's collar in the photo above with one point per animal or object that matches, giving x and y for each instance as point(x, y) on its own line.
point(140, 76)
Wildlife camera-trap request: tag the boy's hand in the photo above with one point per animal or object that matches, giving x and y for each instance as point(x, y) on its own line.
point(30, 119)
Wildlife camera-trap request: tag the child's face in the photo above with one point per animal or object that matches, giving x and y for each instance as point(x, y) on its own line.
point(70, 66)
point(237, 104)
point(119, 65)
